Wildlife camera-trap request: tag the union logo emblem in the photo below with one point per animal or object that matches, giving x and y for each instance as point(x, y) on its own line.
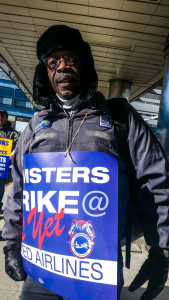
point(81, 238)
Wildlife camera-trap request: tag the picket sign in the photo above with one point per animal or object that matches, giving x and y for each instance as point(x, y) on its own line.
point(70, 216)
point(5, 152)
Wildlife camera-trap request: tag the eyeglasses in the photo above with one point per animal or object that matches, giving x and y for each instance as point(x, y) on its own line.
point(53, 63)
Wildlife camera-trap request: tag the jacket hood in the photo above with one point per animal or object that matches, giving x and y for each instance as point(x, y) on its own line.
point(57, 38)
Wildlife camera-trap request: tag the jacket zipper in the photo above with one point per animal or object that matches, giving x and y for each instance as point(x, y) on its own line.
point(70, 123)
point(70, 126)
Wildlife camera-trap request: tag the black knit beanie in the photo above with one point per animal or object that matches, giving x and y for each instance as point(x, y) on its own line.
point(57, 38)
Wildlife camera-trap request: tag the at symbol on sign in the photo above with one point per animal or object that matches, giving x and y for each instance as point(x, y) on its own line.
point(98, 206)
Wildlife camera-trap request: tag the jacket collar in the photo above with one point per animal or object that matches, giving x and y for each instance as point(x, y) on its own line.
point(8, 124)
point(98, 105)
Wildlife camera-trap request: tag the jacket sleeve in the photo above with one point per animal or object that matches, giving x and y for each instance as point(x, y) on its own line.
point(152, 182)
point(13, 211)
point(16, 136)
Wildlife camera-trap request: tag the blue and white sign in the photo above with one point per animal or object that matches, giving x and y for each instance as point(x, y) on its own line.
point(70, 212)
point(4, 166)
point(5, 152)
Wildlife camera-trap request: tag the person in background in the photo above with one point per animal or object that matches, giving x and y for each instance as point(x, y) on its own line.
point(6, 132)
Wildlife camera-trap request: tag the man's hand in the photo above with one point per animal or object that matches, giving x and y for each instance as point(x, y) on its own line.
point(12, 154)
point(154, 269)
point(13, 262)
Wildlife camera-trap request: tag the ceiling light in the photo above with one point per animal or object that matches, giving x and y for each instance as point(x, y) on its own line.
point(104, 44)
point(108, 72)
point(147, 1)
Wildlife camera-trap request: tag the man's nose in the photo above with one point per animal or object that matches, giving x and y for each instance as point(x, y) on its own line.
point(63, 66)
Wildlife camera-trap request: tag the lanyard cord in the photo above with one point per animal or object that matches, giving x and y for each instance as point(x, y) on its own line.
point(68, 150)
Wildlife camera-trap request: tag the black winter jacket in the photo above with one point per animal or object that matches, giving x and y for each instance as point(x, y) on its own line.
point(6, 132)
point(151, 170)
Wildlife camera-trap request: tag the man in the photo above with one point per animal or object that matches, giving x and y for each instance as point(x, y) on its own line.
point(65, 79)
point(6, 132)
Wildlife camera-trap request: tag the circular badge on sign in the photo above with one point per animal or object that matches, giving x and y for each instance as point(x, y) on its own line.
point(82, 235)
point(81, 245)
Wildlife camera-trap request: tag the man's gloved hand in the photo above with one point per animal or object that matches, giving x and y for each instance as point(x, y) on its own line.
point(13, 262)
point(154, 269)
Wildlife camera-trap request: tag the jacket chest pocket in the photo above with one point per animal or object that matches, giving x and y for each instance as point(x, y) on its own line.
point(94, 137)
point(46, 141)
point(98, 141)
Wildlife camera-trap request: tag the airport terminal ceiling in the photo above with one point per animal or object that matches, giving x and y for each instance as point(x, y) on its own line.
point(126, 37)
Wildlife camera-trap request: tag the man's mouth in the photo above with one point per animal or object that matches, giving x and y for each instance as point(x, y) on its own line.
point(64, 79)
point(65, 83)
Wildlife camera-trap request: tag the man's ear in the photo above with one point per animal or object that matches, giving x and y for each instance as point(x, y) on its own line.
point(43, 92)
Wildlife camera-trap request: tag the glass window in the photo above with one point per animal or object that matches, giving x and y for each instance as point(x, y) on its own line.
point(20, 95)
point(20, 126)
point(21, 101)
point(4, 76)
point(5, 96)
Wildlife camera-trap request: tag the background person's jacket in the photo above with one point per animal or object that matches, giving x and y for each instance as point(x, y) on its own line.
point(6, 132)
point(151, 170)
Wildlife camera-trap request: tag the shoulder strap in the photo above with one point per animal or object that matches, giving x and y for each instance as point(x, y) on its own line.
point(120, 120)
point(119, 116)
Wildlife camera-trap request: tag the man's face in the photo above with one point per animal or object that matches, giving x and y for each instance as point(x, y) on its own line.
point(3, 119)
point(65, 79)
